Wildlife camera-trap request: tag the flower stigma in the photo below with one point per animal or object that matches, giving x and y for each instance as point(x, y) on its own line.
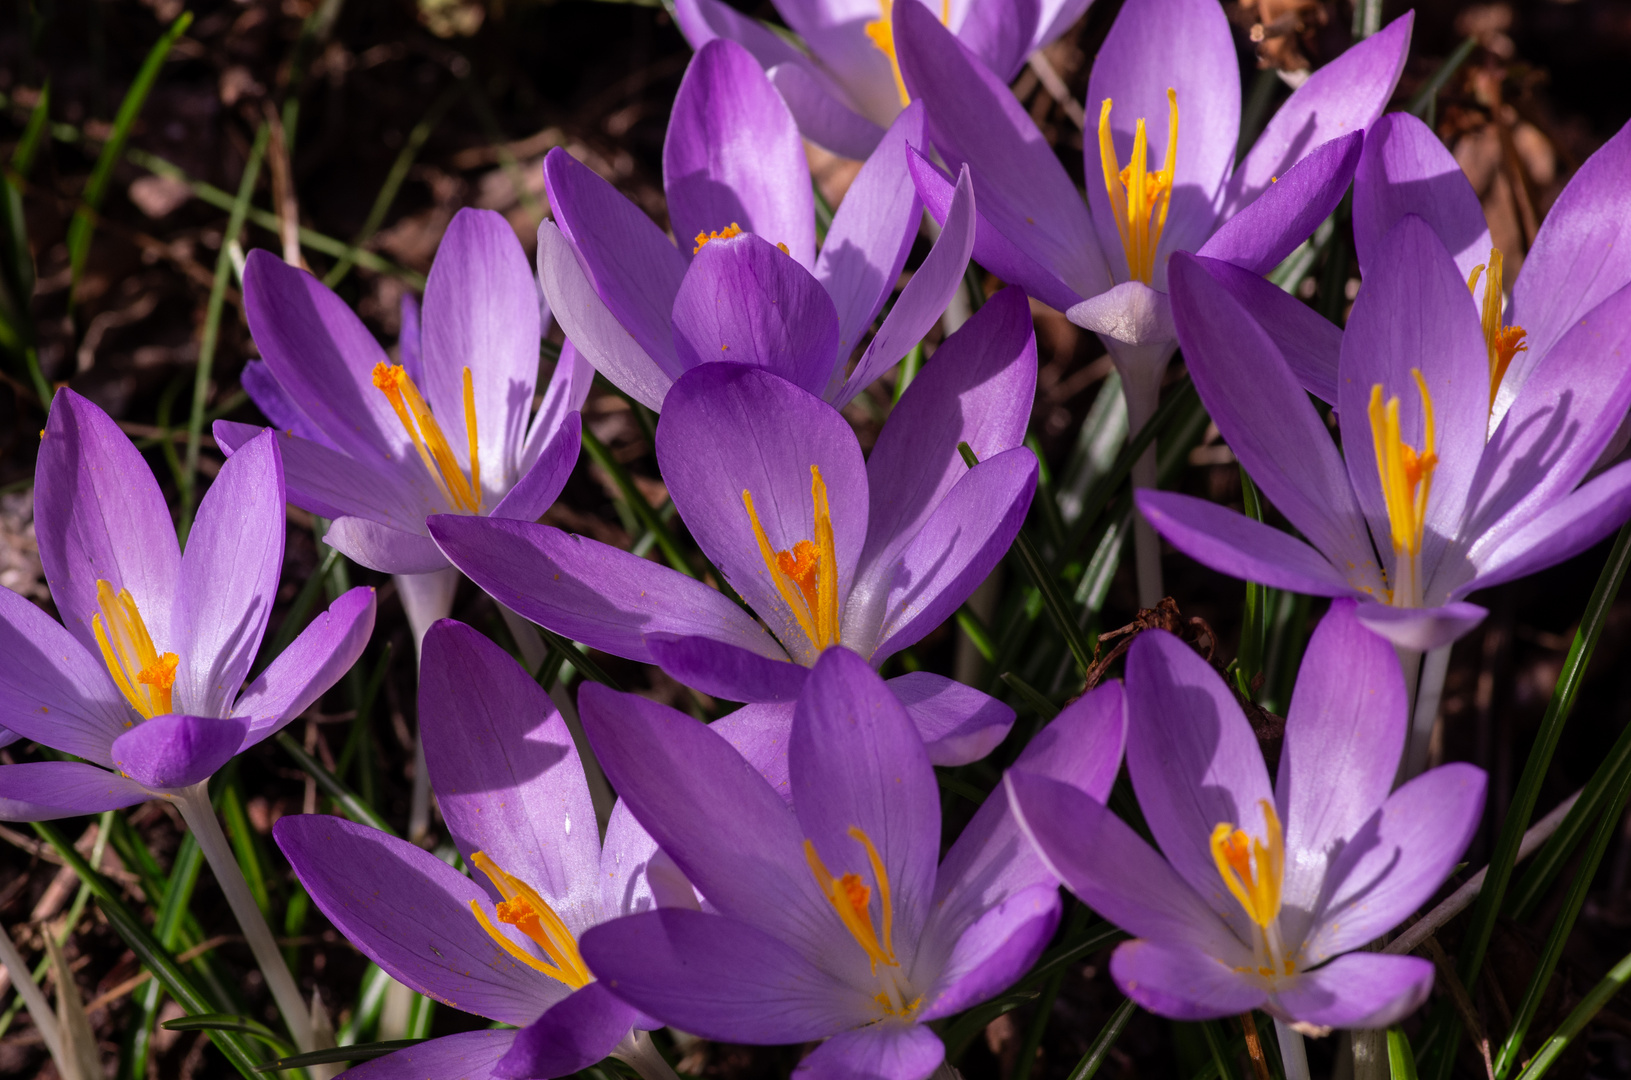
point(1253, 873)
point(1407, 479)
point(1502, 343)
point(142, 674)
point(701, 239)
point(530, 913)
point(807, 575)
point(882, 33)
point(1139, 198)
point(463, 495)
point(851, 899)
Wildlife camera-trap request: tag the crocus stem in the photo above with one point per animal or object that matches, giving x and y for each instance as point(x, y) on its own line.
point(641, 1054)
point(1429, 690)
point(196, 811)
point(1292, 1054)
point(425, 598)
point(1141, 383)
point(22, 977)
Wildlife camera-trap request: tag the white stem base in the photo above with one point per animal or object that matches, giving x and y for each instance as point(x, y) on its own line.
point(641, 1054)
point(1293, 1055)
point(1424, 716)
point(425, 598)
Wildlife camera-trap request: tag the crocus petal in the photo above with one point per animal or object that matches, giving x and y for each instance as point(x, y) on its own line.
point(275, 403)
point(1001, 35)
point(974, 119)
point(505, 772)
point(725, 670)
point(52, 690)
point(996, 950)
point(540, 485)
point(1344, 96)
point(879, 1052)
point(760, 733)
point(573, 1034)
point(46, 790)
point(410, 339)
point(1421, 629)
point(858, 762)
point(1194, 762)
point(1236, 545)
point(1182, 983)
point(568, 389)
point(598, 333)
point(716, 817)
point(1267, 419)
point(703, 20)
point(1566, 528)
point(469, 1055)
point(1393, 863)
point(410, 913)
point(720, 978)
point(229, 578)
point(633, 871)
point(330, 483)
point(481, 314)
point(1345, 731)
point(1155, 46)
point(177, 751)
point(729, 429)
point(1131, 312)
point(746, 302)
point(958, 723)
point(1310, 343)
point(631, 266)
point(313, 662)
point(821, 116)
point(1266, 229)
point(99, 514)
point(925, 296)
point(1360, 990)
point(590, 592)
point(834, 31)
point(384, 548)
point(1406, 169)
point(733, 155)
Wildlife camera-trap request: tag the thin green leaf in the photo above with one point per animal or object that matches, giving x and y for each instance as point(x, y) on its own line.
point(1034, 699)
point(1401, 1060)
point(1422, 103)
point(1222, 1052)
point(636, 502)
point(355, 1052)
point(1088, 1067)
point(1577, 1019)
point(908, 370)
point(964, 1028)
point(971, 625)
point(231, 1022)
point(354, 808)
point(22, 156)
point(1254, 622)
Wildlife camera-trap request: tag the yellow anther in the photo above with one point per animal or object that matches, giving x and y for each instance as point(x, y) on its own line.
point(1407, 481)
point(522, 908)
point(1251, 870)
point(1501, 343)
point(142, 674)
point(461, 494)
point(701, 239)
point(882, 33)
point(851, 899)
point(806, 576)
point(1139, 198)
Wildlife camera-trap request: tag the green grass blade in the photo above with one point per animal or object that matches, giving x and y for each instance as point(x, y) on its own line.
point(642, 510)
point(1401, 1062)
point(1088, 1067)
point(1576, 1021)
point(230, 1022)
point(355, 1052)
point(1033, 698)
point(28, 147)
point(1422, 103)
point(354, 808)
point(1254, 622)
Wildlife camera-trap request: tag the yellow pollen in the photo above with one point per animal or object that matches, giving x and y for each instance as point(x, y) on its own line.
point(142, 674)
point(1138, 197)
point(882, 33)
point(462, 495)
point(851, 898)
point(1251, 870)
point(1407, 480)
point(522, 908)
point(701, 239)
point(1502, 343)
point(806, 576)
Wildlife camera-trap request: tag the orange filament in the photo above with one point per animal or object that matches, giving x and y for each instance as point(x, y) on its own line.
point(1251, 870)
point(851, 898)
point(1139, 198)
point(1502, 343)
point(702, 238)
point(882, 33)
point(462, 495)
point(806, 576)
point(530, 913)
point(142, 674)
point(1407, 480)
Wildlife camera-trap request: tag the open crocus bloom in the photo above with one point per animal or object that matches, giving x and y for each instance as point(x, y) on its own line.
point(829, 918)
point(746, 283)
point(1418, 509)
point(1260, 895)
point(826, 548)
point(505, 945)
point(378, 447)
point(846, 87)
point(142, 678)
point(1165, 91)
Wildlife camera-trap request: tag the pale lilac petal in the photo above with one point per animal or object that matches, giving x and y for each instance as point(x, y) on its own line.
point(330, 483)
point(1269, 227)
point(1057, 17)
point(275, 403)
point(1421, 629)
point(835, 33)
point(1406, 169)
point(469, 1055)
point(568, 389)
point(1360, 990)
point(958, 723)
point(1131, 312)
point(703, 20)
point(572, 1035)
point(1001, 34)
point(384, 548)
point(634, 873)
point(1344, 96)
point(46, 790)
point(313, 662)
point(99, 515)
point(733, 155)
point(1309, 342)
point(996, 950)
point(879, 1052)
point(410, 913)
point(760, 733)
point(1154, 46)
point(727, 671)
point(1182, 983)
point(1567, 527)
point(588, 591)
point(541, 483)
point(52, 690)
point(1236, 545)
point(410, 339)
point(177, 751)
point(822, 116)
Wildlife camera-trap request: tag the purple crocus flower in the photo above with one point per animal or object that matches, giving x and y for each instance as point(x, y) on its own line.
point(366, 445)
point(1420, 509)
point(826, 548)
point(143, 679)
point(746, 283)
point(845, 85)
point(505, 945)
point(829, 918)
point(1260, 896)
